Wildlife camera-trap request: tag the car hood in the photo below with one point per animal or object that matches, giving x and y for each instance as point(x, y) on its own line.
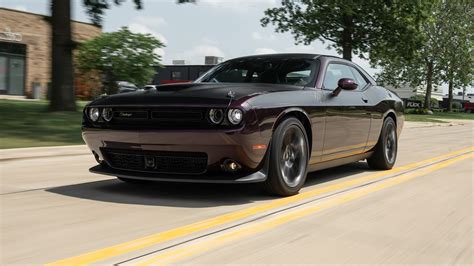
point(193, 94)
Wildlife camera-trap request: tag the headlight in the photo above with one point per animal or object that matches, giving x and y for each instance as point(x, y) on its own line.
point(235, 116)
point(107, 114)
point(94, 114)
point(216, 116)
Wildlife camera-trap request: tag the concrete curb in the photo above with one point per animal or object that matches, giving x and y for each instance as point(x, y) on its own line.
point(37, 152)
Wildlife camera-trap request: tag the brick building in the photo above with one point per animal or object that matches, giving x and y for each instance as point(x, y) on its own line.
point(25, 53)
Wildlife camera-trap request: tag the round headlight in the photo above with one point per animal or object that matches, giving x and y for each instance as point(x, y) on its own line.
point(107, 114)
point(94, 114)
point(216, 116)
point(235, 116)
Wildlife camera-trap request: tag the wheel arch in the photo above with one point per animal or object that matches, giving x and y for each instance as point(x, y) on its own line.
point(391, 114)
point(301, 115)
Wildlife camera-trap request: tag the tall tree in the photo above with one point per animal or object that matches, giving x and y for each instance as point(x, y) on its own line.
point(445, 54)
point(121, 55)
point(352, 26)
point(457, 33)
point(62, 87)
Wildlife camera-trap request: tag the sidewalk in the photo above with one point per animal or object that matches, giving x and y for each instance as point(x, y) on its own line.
point(36, 152)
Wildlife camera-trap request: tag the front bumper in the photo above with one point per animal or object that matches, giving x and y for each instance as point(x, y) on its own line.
point(256, 177)
point(217, 145)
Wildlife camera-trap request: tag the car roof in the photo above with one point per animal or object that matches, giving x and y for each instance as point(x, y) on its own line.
point(285, 55)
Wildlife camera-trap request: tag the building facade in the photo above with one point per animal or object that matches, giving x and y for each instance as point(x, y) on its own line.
point(25, 52)
point(179, 73)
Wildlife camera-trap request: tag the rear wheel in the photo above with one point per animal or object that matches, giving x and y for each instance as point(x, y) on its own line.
point(385, 153)
point(288, 159)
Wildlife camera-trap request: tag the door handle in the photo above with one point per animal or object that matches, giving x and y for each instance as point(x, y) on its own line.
point(365, 99)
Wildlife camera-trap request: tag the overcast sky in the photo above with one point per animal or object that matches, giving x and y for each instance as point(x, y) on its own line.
point(227, 28)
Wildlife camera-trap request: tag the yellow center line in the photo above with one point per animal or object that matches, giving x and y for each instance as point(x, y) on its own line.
point(199, 247)
point(186, 230)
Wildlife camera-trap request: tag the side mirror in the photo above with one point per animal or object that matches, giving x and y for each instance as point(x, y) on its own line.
point(345, 84)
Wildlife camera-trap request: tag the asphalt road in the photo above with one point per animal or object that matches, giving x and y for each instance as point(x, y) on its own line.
point(54, 211)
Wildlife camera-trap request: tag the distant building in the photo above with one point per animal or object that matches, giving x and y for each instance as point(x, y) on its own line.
point(213, 60)
point(179, 62)
point(25, 52)
point(179, 73)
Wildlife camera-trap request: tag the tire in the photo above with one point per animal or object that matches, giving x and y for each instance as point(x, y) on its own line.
point(385, 152)
point(131, 181)
point(288, 159)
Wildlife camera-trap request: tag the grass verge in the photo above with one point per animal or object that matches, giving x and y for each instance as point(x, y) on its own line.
point(437, 116)
point(29, 124)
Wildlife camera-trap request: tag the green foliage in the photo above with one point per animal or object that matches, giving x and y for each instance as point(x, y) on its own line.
point(456, 106)
point(446, 54)
point(96, 8)
point(121, 55)
point(358, 26)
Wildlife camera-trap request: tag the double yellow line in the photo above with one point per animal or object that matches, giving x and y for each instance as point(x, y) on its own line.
point(187, 230)
point(199, 247)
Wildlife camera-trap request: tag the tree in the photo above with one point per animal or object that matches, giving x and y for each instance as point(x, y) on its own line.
point(62, 87)
point(445, 54)
point(457, 33)
point(355, 26)
point(120, 55)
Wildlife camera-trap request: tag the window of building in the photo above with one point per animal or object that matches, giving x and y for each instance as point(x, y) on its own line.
point(176, 75)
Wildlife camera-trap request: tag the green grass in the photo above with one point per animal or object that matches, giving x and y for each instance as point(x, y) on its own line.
point(438, 115)
point(29, 124)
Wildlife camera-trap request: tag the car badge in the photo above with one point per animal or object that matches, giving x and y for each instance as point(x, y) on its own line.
point(123, 114)
point(231, 94)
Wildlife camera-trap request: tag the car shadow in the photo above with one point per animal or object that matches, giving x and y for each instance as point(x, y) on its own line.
point(190, 195)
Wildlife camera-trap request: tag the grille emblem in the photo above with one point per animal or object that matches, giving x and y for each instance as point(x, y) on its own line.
point(124, 114)
point(150, 162)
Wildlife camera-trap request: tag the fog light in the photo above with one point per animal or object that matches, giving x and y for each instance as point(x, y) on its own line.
point(231, 166)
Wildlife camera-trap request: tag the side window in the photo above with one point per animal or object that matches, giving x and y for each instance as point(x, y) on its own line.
point(334, 73)
point(359, 78)
point(301, 77)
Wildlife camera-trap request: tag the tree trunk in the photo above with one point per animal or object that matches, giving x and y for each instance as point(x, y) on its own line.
point(347, 37)
point(62, 76)
point(450, 95)
point(429, 84)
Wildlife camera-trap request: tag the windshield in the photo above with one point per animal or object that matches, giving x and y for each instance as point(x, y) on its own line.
point(264, 70)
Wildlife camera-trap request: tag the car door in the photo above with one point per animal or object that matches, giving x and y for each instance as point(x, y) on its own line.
point(348, 115)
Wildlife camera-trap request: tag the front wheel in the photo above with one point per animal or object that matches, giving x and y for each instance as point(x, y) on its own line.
point(288, 159)
point(385, 153)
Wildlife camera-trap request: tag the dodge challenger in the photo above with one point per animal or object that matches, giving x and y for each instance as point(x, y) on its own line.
point(268, 118)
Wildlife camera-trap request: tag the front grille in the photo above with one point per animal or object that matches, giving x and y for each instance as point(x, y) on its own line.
point(157, 161)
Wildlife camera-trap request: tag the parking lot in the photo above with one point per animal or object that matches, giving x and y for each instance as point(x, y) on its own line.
point(54, 211)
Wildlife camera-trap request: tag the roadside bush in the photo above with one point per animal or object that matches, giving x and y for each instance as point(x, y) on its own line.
point(456, 106)
point(420, 111)
point(433, 102)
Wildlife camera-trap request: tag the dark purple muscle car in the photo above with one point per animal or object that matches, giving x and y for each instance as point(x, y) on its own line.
point(267, 118)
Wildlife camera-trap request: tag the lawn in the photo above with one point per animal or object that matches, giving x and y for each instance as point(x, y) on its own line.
point(29, 124)
point(438, 115)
